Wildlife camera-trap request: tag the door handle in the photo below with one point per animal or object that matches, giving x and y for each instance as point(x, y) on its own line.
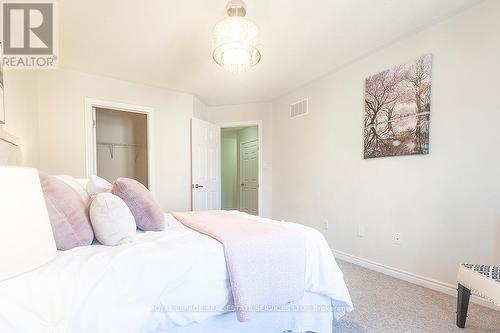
point(198, 186)
point(242, 184)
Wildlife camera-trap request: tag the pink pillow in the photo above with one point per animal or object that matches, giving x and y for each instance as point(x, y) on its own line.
point(67, 213)
point(147, 213)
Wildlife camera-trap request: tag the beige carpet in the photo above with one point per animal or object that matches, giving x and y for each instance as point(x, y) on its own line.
point(384, 304)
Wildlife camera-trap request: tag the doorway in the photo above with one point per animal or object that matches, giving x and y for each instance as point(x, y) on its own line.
point(119, 141)
point(121, 145)
point(240, 169)
point(209, 166)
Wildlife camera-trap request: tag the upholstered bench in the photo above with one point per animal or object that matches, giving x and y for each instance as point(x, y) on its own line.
point(482, 280)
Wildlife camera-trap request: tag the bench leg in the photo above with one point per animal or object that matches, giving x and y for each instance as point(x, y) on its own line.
point(462, 305)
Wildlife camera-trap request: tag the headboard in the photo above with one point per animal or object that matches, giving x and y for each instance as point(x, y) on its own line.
point(10, 153)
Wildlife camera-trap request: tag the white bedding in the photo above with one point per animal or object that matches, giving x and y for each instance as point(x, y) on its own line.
point(140, 287)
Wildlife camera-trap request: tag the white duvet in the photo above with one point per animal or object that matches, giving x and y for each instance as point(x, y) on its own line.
point(162, 280)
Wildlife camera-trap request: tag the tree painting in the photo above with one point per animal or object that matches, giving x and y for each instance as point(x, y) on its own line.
point(397, 110)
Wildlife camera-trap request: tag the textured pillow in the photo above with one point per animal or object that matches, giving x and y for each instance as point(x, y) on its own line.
point(98, 185)
point(112, 220)
point(148, 215)
point(67, 213)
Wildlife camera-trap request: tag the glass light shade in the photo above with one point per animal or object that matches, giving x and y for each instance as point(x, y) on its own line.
point(236, 44)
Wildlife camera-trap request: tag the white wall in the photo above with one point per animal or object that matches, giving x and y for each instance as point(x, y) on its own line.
point(199, 109)
point(61, 97)
point(22, 112)
point(252, 112)
point(446, 204)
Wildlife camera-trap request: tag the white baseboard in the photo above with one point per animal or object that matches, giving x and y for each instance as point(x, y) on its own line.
point(423, 281)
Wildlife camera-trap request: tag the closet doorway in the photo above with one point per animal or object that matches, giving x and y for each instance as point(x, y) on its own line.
point(121, 139)
point(120, 142)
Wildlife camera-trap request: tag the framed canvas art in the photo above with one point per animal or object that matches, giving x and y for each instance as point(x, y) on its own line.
point(397, 110)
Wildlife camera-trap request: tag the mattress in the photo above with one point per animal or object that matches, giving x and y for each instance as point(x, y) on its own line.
point(162, 282)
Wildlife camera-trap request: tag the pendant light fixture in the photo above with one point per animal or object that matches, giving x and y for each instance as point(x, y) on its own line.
point(236, 40)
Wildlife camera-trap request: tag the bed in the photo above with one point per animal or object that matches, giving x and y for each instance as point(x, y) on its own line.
point(174, 281)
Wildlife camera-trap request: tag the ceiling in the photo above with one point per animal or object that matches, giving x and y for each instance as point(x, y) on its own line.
point(167, 43)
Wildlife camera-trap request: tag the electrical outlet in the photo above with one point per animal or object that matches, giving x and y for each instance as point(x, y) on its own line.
point(361, 231)
point(396, 238)
point(326, 225)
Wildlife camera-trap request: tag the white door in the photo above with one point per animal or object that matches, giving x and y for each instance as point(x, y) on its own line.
point(249, 176)
point(205, 165)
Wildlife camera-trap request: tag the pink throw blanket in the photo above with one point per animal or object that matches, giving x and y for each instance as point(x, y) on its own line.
point(266, 262)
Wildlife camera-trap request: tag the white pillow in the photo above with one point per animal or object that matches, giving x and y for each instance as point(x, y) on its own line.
point(112, 220)
point(83, 182)
point(171, 221)
point(75, 185)
point(98, 185)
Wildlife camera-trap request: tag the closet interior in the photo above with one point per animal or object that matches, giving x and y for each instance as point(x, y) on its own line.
point(121, 142)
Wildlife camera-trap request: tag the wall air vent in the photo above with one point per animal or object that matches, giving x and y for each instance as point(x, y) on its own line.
point(298, 109)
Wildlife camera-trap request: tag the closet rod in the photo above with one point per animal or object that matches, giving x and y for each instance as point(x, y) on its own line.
point(115, 144)
point(112, 145)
